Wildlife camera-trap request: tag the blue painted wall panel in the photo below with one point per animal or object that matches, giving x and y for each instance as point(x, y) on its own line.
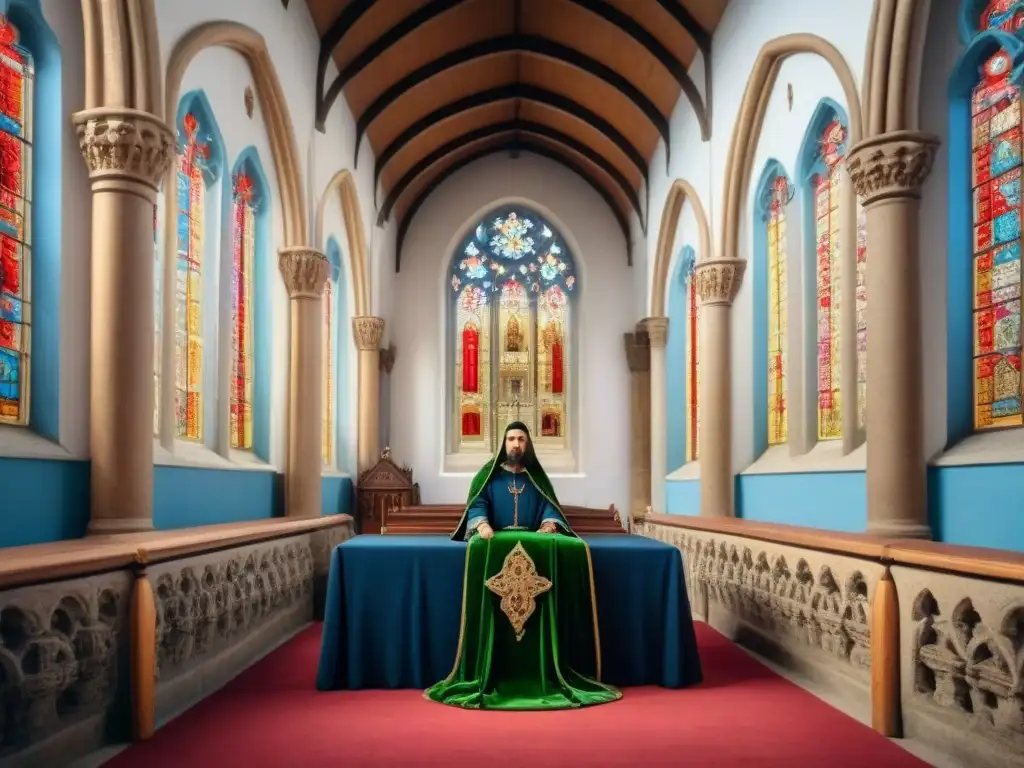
point(43, 500)
point(835, 501)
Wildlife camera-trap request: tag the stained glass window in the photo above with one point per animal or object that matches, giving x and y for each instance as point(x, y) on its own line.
point(862, 320)
point(996, 172)
point(242, 277)
point(826, 219)
point(692, 358)
point(191, 190)
point(327, 357)
point(511, 281)
point(779, 195)
point(157, 299)
point(16, 81)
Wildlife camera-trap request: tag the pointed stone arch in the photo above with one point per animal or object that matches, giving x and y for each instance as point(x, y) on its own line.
point(280, 132)
point(345, 185)
point(680, 191)
point(750, 120)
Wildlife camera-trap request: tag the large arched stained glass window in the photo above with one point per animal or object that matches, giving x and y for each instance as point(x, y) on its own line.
point(16, 79)
point(511, 283)
point(243, 263)
point(996, 118)
point(191, 191)
point(779, 192)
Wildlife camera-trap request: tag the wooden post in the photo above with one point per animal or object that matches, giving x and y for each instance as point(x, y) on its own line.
point(143, 652)
point(886, 711)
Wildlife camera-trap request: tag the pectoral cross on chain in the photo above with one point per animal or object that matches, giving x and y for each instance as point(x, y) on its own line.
point(516, 492)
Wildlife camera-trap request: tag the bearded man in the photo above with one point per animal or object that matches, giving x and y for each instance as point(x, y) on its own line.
point(519, 660)
point(512, 493)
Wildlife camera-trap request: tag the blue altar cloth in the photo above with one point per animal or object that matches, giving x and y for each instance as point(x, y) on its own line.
point(394, 603)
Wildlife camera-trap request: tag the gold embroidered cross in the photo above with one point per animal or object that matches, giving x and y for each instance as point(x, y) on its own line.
point(518, 585)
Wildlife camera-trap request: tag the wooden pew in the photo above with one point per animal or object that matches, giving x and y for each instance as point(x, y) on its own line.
point(442, 518)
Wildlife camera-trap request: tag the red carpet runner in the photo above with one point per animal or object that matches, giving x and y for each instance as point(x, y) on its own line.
point(743, 715)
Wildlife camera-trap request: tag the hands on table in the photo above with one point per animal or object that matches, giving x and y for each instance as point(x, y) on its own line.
point(485, 531)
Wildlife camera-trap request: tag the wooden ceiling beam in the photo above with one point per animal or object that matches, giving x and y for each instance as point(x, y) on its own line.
point(522, 92)
point(519, 144)
point(405, 27)
point(678, 11)
point(518, 127)
point(352, 13)
point(514, 43)
point(630, 26)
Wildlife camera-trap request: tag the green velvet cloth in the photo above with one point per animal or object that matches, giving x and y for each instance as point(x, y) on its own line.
point(556, 663)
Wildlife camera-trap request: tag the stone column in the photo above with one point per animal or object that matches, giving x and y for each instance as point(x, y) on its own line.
point(657, 333)
point(638, 356)
point(305, 271)
point(887, 172)
point(718, 282)
point(128, 152)
point(368, 331)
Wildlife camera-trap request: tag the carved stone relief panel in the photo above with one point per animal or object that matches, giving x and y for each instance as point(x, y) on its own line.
point(323, 542)
point(207, 603)
point(59, 662)
point(797, 599)
point(962, 664)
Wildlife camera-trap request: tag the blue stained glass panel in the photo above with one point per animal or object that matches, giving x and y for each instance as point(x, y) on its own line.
point(1006, 227)
point(11, 309)
point(10, 374)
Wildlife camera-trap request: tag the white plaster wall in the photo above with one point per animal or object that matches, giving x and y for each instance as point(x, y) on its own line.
point(226, 95)
point(334, 226)
point(942, 49)
point(65, 19)
point(745, 27)
point(293, 44)
point(605, 308)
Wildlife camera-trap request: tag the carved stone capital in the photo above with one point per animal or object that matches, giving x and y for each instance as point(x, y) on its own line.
point(638, 351)
point(367, 331)
point(657, 330)
point(719, 280)
point(891, 165)
point(125, 143)
point(304, 270)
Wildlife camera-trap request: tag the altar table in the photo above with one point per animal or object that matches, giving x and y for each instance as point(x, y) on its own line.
point(394, 604)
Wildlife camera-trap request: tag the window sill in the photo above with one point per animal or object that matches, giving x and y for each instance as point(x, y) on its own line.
point(1003, 447)
point(23, 443)
point(331, 472)
point(689, 471)
point(825, 456)
point(198, 456)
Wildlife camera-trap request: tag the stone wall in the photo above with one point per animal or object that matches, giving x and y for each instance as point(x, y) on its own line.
point(64, 684)
point(962, 664)
point(961, 638)
point(804, 609)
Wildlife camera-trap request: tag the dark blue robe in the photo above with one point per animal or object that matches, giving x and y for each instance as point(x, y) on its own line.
point(495, 504)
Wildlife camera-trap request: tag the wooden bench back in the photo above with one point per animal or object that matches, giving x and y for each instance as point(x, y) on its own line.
point(442, 518)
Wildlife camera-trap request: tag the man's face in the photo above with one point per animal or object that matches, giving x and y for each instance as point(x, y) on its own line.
point(515, 445)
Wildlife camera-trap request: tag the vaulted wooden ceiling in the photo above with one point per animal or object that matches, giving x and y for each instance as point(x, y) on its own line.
point(437, 84)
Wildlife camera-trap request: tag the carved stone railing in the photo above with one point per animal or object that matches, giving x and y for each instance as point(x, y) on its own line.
point(928, 637)
point(102, 638)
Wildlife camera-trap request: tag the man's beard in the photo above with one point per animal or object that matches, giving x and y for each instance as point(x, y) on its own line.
point(515, 457)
